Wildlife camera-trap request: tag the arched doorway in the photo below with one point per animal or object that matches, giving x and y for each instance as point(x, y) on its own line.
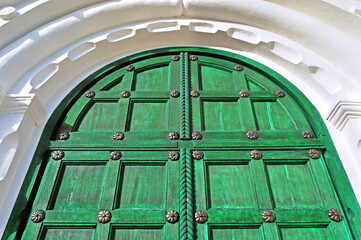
point(184, 143)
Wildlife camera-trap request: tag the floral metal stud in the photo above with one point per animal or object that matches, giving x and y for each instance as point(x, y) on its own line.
point(172, 216)
point(244, 94)
point(307, 134)
point(125, 94)
point(64, 136)
point(252, 135)
point(193, 58)
point(238, 68)
point(201, 216)
point(195, 93)
point(334, 215)
point(130, 68)
point(104, 216)
point(115, 155)
point(197, 155)
point(58, 154)
point(255, 154)
point(118, 136)
point(175, 58)
point(268, 216)
point(90, 94)
point(38, 216)
point(196, 135)
point(173, 155)
point(313, 153)
point(280, 94)
point(173, 135)
point(174, 94)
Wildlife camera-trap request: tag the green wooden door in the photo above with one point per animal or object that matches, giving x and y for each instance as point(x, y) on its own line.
point(218, 141)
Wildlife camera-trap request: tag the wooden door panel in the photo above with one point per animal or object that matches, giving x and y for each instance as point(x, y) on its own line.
point(236, 232)
point(53, 233)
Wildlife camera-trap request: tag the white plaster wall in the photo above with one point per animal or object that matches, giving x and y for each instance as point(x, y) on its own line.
point(47, 47)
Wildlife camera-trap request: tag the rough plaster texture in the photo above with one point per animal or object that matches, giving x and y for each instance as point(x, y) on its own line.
point(47, 47)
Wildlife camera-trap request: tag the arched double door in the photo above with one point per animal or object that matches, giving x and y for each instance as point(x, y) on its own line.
point(185, 145)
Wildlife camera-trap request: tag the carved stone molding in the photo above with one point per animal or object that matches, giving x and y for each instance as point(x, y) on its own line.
point(342, 112)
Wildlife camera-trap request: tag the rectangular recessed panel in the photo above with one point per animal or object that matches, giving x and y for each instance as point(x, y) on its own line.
point(143, 186)
point(100, 116)
point(67, 233)
point(148, 116)
point(220, 116)
point(230, 186)
point(155, 79)
point(138, 234)
point(214, 78)
point(79, 186)
point(305, 233)
point(292, 186)
point(235, 233)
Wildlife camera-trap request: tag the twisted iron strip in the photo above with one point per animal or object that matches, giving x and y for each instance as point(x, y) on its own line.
point(184, 97)
point(186, 196)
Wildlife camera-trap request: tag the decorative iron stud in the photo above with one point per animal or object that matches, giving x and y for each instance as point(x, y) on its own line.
point(118, 136)
point(175, 58)
point(307, 134)
point(58, 155)
point(90, 94)
point(197, 155)
point(38, 216)
point(173, 155)
point(268, 216)
point(130, 68)
point(201, 216)
point(334, 215)
point(238, 68)
point(64, 136)
point(195, 93)
point(173, 135)
point(115, 155)
point(252, 135)
point(174, 94)
point(280, 94)
point(172, 216)
point(313, 153)
point(104, 216)
point(244, 94)
point(255, 154)
point(196, 135)
point(125, 94)
point(193, 58)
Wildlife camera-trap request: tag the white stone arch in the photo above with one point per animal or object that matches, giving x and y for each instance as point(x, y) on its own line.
point(49, 46)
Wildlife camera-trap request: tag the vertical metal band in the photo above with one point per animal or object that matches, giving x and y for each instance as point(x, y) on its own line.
point(184, 97)
point(186, 196)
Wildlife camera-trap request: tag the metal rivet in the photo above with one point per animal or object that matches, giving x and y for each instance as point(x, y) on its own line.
point(255, 154)
point(196, 135)
point(238, 68)
point(195, 93)
point(252, 135)
point(130, 68)
point(90, 94)
point(244, 94)
point(172, 216)
point(58, 154)
point(125, 94)
point(197, 155)
point(64, 136)
point(201, 216)
point(174, 94)
point(173, 155)
point(118, 136)
point(313, 153)
point(173, 135)
point(175, 58)
point(268, 216)
point(38, 216)
point(115, 155)
point(280, 94)
point(334, 215)
point(307, 134)
point(193, 58)
point(104, 216)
